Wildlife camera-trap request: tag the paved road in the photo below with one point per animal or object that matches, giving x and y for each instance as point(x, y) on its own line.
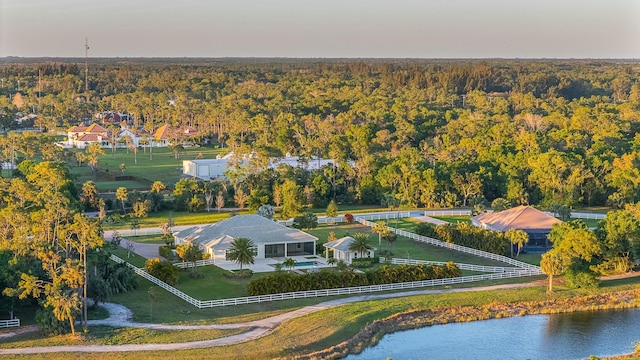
point(120, 317)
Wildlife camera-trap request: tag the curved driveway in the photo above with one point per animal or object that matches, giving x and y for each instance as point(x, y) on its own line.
point(120, 317)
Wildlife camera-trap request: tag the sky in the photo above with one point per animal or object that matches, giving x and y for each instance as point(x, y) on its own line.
point(322, 28)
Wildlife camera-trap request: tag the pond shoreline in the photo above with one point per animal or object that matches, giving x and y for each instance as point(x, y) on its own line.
point(372, 333)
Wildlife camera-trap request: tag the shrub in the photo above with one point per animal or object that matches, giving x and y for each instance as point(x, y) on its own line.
point(362, 262)
point(49, 324)
point(162, 270)
point(283, 282)
point(166, 252)
point(196, 274)
point(466, 235)
point(581, 279)
point(426, 229)
point(348, 218)
point(239, 274)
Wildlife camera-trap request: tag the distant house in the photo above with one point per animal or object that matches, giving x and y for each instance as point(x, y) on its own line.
point(27, 120)
point(534, 222)
point(272, 240)
point(166, 135)
point(341, 250)
point(114, 117)
point(215, 168)
point(83, 136)
point(127, 135)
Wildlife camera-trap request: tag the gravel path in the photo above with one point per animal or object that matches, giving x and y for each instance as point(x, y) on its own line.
point(120, 316)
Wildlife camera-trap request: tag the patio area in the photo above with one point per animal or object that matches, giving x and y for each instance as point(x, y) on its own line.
point(306, 262)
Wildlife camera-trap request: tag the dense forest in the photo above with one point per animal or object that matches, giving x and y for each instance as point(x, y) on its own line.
point(428, 132)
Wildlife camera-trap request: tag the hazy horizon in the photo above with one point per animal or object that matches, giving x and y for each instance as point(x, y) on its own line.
point(331, 29)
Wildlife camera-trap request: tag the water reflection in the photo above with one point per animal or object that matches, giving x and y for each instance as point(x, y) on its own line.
point(557, 336)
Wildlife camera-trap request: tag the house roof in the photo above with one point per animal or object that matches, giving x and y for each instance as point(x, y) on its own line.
point(255, 227)
point(93, 128)
point(165, 132)
point(90, 137)
point(162, 132)
point(521, 218)
point(341, 244)
point(77, 129)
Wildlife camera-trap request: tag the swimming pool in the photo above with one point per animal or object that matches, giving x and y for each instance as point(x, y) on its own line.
point(306, 263)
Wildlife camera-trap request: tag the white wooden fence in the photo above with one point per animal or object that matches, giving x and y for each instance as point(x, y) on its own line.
point(576, 215)
point(340, 218)
point(364, 289)
point(325, 292)
point(462, 266)
point(447, 213)
point(9, 323)
point(162, 284)
point(186, 265)
point(456, 247)
point(522, 270)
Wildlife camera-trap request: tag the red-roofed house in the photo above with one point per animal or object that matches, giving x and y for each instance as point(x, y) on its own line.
point(166, 135)
point(82, 136)
point(534, 222)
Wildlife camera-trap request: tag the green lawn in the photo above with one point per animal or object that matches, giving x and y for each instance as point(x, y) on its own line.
point(179, 218)
point(326, 328)
point(134, 259)
point(403, 247)
point(408, 224)
point(590, 222)
point(214, 285)
point(107, 335)
point(533, 259)
point(341, 230)
point(147, 239)
point(164, 167)
point(454, 219)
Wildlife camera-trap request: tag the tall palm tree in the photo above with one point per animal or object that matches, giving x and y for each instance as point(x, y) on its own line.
point(390, 238)
point(380, 228)
point(360, 244)
point(289, 263)
point(518, 238)
point(551, 264)
point(242, 251)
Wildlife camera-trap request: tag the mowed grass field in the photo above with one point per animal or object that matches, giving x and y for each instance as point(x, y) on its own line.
point(162, 166)
point(403, 247)
point(179, 218)
point(326, 328)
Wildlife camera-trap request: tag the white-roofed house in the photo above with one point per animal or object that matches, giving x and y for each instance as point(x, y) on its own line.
point(272, 239)
point(341, 250)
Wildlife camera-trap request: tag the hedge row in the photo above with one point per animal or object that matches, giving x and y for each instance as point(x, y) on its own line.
point(281, 282)
point(465, 234)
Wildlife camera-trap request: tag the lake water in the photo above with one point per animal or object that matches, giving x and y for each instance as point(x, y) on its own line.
point(558, 336)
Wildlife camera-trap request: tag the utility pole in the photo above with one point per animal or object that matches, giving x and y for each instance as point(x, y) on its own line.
point(39, 82)
point(86, 66)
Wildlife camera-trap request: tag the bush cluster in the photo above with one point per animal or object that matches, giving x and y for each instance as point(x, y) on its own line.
point(389, 274)
point(282, 282)
point(237, 275)
point(163, 270)
point(465, 234)
point(364, 262)
point(166, 252)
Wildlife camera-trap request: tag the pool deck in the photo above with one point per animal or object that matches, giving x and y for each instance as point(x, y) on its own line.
point(267, 265)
